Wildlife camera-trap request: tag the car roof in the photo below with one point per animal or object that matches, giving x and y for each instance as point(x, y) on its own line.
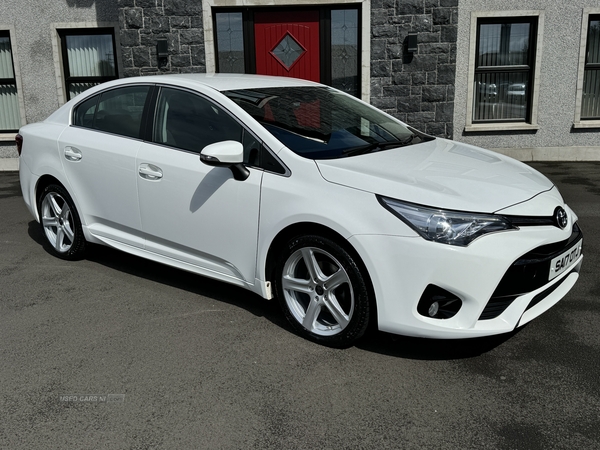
point(224, 81)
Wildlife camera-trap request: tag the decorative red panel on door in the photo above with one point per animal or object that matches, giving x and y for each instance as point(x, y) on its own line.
point(287, 44)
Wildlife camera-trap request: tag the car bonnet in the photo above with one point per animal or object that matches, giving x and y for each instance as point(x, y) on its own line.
point(440, 173)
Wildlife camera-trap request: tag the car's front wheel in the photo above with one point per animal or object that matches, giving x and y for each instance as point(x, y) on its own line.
point(322, 291)
point(61, 224)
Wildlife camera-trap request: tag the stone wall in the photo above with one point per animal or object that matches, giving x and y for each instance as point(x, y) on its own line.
point(145, 21)
point(417, 88)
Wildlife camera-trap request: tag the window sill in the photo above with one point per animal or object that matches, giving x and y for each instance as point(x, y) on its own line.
point(501, 127)
point(587, 124)
point(4, 137)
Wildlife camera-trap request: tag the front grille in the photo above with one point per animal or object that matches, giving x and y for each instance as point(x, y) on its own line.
point(526, 274)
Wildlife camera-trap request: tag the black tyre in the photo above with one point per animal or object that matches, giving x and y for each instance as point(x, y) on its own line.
point(322, 291)
point(60, 223)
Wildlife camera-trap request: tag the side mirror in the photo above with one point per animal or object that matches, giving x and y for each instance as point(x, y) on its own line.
point(226, 154)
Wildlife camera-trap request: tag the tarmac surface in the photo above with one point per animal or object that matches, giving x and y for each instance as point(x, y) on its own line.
point(118, 352)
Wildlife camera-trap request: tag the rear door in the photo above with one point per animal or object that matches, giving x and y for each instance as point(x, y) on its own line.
point(99, 157)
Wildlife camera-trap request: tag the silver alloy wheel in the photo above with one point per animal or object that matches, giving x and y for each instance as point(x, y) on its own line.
point(318, 291)
point(57, 221)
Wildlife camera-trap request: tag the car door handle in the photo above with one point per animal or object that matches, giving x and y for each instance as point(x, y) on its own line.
point(150, 172)
point(72, 154)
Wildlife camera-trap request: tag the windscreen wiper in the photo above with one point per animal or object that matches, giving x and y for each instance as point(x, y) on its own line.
point(368, 148)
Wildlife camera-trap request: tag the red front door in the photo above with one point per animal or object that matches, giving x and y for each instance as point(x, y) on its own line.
point(287, 44)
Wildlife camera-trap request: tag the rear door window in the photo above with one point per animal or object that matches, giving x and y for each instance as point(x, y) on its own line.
point(118, 111)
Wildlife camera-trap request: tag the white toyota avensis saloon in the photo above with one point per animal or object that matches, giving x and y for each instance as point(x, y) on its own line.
point(299, 192)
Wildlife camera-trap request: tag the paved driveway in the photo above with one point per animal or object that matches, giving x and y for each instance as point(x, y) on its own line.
point(119, 352)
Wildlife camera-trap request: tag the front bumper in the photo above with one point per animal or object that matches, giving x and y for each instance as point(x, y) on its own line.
point(495, 297)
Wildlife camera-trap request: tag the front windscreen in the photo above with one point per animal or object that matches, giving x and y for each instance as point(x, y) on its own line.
point(322, 123)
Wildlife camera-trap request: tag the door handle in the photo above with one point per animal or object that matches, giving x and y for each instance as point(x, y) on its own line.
point(73, 154)
point(150, 172)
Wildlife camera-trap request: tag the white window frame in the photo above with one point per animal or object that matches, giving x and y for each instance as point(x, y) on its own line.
point(585, 21)
point(504, 126)
point(365, 69)
point(17, 72)
point(58, 57)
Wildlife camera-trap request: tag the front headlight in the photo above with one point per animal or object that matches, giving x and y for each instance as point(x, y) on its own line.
point(447, 227)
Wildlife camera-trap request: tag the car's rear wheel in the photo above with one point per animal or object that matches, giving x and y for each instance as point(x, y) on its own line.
point(322, 291)
point(61, 224)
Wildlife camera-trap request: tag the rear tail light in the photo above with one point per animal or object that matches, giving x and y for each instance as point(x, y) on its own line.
point(19, 141)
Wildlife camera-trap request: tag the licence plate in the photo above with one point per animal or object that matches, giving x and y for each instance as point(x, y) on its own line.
point(562, 262)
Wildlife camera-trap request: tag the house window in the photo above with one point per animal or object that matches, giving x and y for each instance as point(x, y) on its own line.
point(344, 50)
point(504, 68)
point(590, 101)
point(230, 42)
point(10, 117)
point(88, 58)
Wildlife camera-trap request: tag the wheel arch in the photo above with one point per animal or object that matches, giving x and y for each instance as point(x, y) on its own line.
point(43, 182)
point(307, 228)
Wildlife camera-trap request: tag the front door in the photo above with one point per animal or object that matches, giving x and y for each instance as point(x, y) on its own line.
point(287, 44)
point(195, 214)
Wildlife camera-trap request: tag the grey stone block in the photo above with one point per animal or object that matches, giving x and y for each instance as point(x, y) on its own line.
point(446, 74)
point(402, 79)
point(434, 48)
point(379, 17)
point(383, 31)
point(131, 72)
point(198, 55)
point(192, 36)
point(410, 7)
point(147, 38)
point(421, 63)
point(178, 22)
point(436, 129)
point(396, 91)
point(432, 77)
point(147, 3)
point(426, 37)
point(408, 104)
point(444, 112)
point(421, 117)
point(381, 68)
point(434, 93)
point(182, 7)
point(158, 24)
point(129, 38)
point(196, 22)
point(418, 79)
point(448, 33)
point(180, 60)
point(153, 12)
point(422, 23)
point(395, 51)
point(141, 57)
point(378, 49)
point(384, 102)
point(442, 16)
